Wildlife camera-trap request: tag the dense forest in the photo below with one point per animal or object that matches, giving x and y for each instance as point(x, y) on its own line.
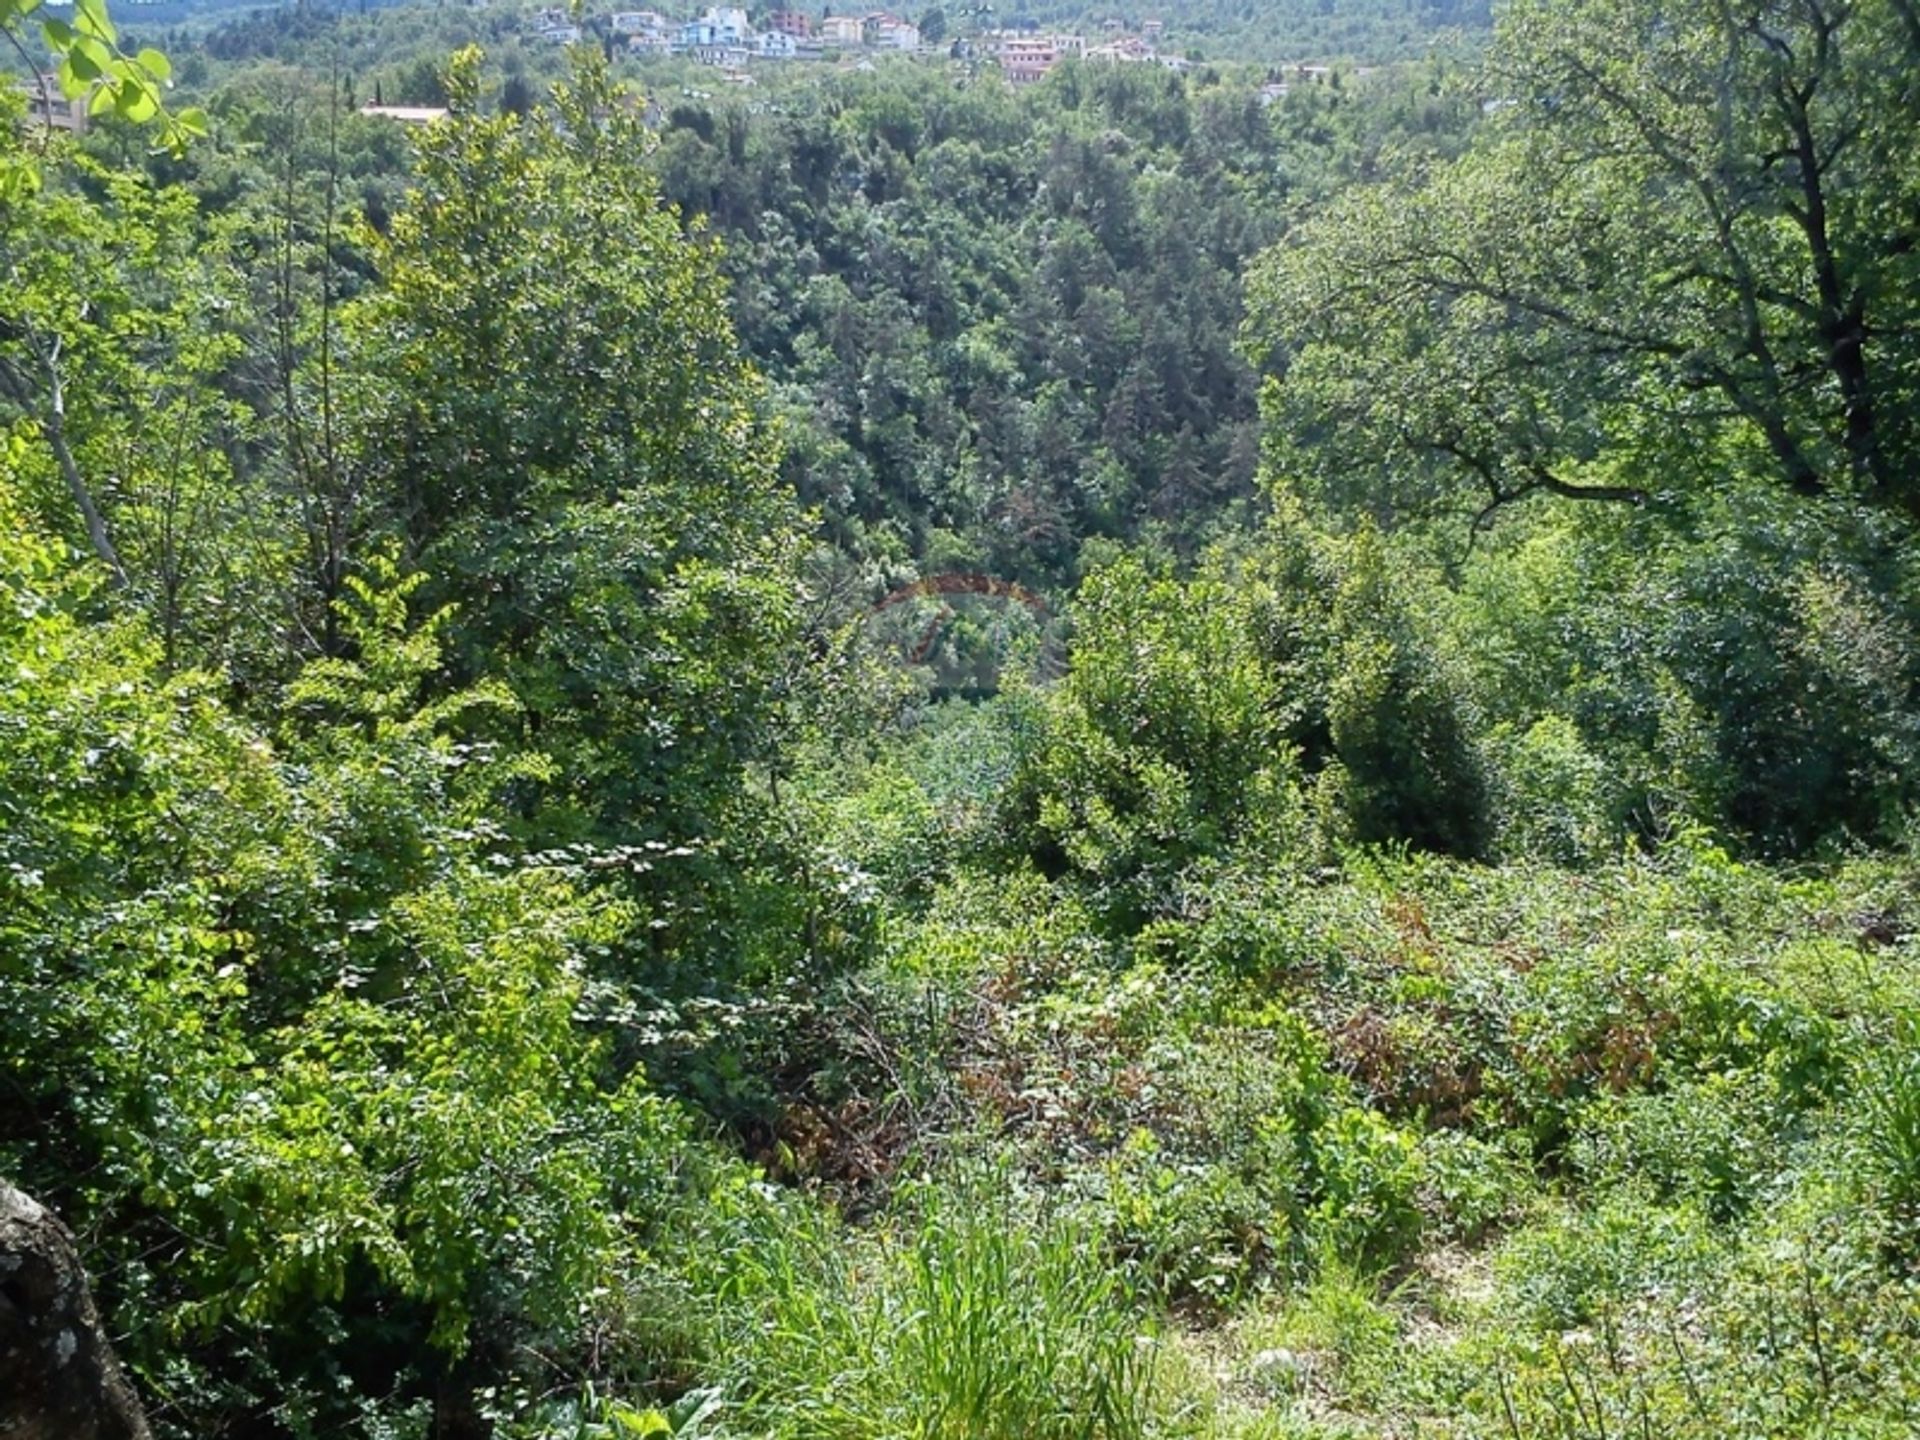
point(1223, 753)
point(1004, 327)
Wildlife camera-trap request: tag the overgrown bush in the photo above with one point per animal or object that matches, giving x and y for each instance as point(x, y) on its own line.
point(1163, 745)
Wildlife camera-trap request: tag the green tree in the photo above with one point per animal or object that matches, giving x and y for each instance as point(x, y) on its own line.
point(1163, 744)
point(1363, 689)
point(1684, 248)
point(290, 1035)
point(554, 417)
point(124, 330)
point(88, 64)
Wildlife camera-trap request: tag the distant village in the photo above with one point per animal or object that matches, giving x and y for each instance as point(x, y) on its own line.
point(724, 37)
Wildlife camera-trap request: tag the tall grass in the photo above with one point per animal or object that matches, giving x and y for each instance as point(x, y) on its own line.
point(1891, 1112)
point(969, 1321)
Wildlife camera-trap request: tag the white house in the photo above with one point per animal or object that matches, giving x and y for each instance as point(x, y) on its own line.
point(721, 25)
point(728, 57)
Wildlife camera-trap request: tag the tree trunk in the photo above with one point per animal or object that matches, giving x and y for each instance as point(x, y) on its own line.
point(58, 1377)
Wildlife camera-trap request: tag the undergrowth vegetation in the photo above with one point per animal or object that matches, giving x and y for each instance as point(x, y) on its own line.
point(1408, 1145)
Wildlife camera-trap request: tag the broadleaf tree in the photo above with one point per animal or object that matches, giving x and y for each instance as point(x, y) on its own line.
point(1686, 245)
point(556, 421)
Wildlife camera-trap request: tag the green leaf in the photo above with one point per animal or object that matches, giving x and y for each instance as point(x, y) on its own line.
point(641, 1422)
point(86, 62)
point(19, 182)
point(90, 18)
point(192, 121)
point(59, 34)
point(155, 64)
point(137, 101)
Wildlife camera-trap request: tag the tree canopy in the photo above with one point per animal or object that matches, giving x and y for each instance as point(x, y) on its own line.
point(1683, 247)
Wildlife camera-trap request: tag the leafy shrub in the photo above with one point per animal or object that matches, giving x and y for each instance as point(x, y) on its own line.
point(1367, 1211)
point(1553, 798)
point(1199, 1229)
point(1581, 1264)
point(1469, 1186)
point(1792, 635)
point(1372, 704)
point(313, 1038)
point(1712, 1141)
point(1162, 746)
point(911, 818)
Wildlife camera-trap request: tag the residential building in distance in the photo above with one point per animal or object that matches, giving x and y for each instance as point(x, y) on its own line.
point(840, 30)
point(890, 32)
point(796, 23)
point(1026, 58)
point(629, 23)
point(49, 109)
point(1029, 58)
point(556, 27)
point(1130, 50)
point(720, 25)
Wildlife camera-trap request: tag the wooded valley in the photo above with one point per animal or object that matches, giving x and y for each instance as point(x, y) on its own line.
point(840, 749)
